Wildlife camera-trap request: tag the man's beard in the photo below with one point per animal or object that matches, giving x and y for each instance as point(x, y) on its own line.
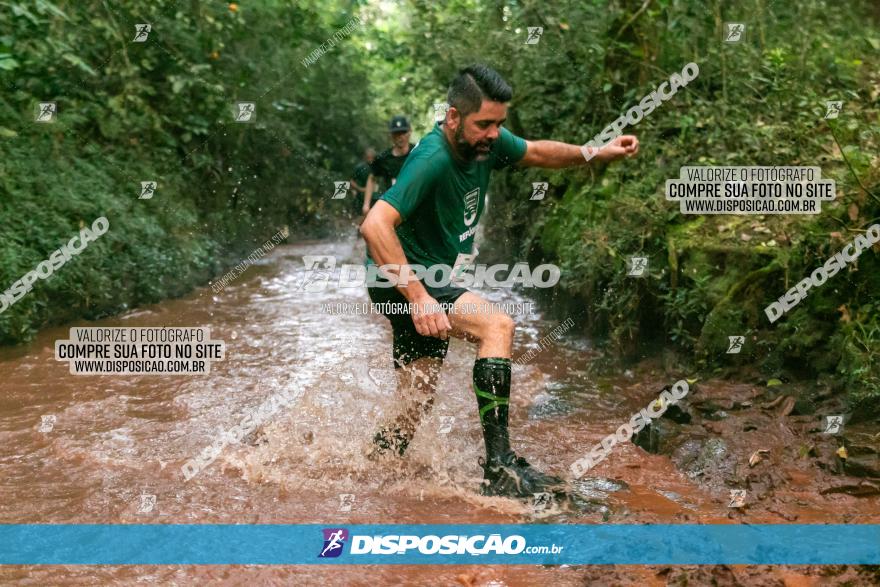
point(468, 152)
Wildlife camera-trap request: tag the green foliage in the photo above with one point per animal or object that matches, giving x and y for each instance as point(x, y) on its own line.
point(759, 102)
point(858, 357)
point(163, 110)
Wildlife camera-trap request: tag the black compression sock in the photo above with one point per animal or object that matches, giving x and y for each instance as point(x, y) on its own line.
point(492, 387)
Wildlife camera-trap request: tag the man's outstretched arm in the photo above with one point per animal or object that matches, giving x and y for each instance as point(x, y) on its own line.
point(556, 155)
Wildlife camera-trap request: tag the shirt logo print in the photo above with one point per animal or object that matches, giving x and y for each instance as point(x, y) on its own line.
point(470, 206)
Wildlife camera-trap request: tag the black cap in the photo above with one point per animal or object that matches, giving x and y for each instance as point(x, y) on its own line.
point(398, 124)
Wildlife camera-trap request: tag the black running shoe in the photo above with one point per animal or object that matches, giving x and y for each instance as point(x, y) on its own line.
point(391, 441)
point(513, 476)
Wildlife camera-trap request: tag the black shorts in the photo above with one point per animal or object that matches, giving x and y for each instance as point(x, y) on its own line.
point(409, 345)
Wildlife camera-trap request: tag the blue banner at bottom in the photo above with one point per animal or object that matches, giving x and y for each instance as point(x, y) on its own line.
point(486, 544)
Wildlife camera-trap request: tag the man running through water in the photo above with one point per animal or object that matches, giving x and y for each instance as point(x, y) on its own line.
point(388, 163)
point(429, 217)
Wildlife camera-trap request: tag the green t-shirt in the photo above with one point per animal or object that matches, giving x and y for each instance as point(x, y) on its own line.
point(441, 200)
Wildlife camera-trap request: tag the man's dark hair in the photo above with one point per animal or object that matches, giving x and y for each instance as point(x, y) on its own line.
point(473, 84)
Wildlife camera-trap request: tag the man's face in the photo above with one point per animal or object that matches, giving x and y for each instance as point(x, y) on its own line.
point(475, 133)
point(400, 139)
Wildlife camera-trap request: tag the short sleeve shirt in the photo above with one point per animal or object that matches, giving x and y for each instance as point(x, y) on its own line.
point(386, 167)
point(441, 199)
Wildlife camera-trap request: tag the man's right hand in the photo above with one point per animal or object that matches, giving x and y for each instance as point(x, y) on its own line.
point(430, 319)
point(365, 210)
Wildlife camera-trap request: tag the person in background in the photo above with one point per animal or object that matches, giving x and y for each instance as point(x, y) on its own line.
point(388, 163)
point(361, 173)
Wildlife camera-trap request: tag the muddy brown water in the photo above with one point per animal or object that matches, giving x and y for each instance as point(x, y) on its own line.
point(115, 439)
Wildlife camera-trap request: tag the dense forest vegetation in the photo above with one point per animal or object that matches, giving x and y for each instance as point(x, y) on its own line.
point(162, 110)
